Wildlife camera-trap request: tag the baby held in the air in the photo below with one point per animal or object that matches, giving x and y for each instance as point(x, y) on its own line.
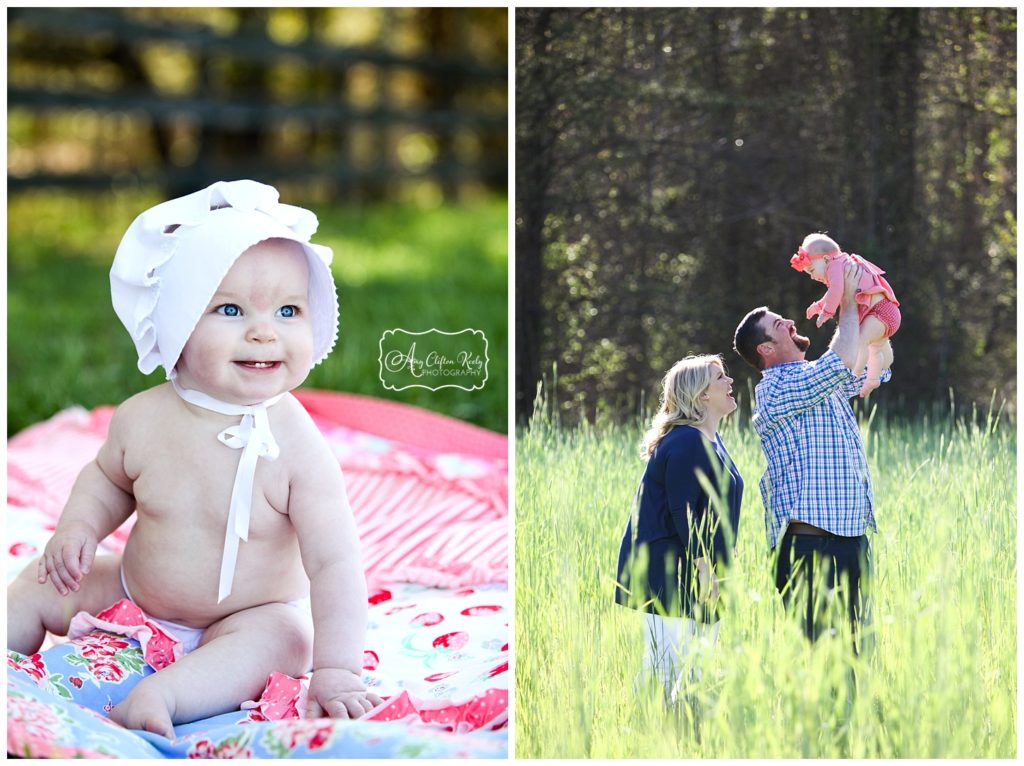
point(878, 310)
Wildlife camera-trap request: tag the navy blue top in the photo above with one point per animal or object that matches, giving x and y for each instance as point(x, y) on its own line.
point(675, 521)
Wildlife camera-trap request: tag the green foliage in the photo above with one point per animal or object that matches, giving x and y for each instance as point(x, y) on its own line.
point(395, 103)
point(941, 680)
point(671, 159)
point(396, 266)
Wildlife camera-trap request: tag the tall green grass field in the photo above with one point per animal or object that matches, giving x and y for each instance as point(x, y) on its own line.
point(940, 680)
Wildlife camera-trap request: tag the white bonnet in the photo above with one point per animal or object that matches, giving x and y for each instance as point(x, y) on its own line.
point(174, 256)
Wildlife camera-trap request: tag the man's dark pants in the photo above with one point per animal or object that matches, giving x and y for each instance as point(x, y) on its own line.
point(805, 562)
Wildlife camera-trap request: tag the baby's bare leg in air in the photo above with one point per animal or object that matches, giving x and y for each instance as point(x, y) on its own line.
point(872, 332)
point(887, 355)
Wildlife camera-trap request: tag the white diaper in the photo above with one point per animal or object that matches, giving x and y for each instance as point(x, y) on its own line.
point(189, 637)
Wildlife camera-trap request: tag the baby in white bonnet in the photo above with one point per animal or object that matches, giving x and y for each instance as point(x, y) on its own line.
point(244, 548)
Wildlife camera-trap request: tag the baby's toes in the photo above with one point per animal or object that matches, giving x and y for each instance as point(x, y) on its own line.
point(146, 712)
point(158, 722)
point(868, 387)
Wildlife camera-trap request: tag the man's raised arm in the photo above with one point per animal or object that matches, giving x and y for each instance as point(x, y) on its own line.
point(846, 341)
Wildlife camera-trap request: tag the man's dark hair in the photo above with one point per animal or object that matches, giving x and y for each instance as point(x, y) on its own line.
point(749, 335)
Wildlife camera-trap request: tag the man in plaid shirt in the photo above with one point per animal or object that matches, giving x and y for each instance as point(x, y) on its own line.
point(816, 489)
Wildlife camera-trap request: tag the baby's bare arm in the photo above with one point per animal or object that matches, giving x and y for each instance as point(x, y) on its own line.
point(833, 297)
point(329, 543)
point(99, 503)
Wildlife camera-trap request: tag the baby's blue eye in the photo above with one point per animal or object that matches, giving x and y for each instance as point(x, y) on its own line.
point(229, 310)
point(287, 311)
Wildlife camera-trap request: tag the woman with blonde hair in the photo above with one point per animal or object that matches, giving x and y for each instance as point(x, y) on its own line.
point(679, 531)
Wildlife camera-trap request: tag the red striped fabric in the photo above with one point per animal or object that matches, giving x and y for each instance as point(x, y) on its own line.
point(420, 520)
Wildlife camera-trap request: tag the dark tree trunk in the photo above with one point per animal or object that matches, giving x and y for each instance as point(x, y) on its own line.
point(533, 168)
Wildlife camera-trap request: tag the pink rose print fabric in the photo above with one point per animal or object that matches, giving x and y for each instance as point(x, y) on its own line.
point(430, 498)
point(159, 648)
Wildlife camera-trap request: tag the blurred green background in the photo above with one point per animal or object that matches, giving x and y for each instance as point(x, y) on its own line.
point(390, 124)
point(395, 266)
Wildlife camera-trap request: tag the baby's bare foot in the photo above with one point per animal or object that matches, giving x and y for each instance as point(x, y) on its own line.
point(145, 708)
point(869, 386)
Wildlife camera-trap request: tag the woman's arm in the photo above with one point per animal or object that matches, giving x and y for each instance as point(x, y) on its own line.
point(688, 502)
point(691, 504)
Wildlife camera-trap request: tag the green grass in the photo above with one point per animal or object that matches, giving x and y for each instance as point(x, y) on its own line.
point(940, 682)
point(396, 267)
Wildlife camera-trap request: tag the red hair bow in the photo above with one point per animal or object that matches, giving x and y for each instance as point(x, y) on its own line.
point(801, 260)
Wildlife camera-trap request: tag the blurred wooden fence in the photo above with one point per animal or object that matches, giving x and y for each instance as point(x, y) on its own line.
point(232, 129)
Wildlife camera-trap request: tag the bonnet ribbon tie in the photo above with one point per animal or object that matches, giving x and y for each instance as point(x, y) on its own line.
point(253, 436)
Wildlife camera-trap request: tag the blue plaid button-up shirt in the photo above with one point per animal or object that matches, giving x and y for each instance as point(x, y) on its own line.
point(817, 472)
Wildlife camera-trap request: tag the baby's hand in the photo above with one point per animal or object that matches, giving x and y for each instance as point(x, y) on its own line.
point(822, 319)
point(338, 693)
point(68, 557)
point(707, 581)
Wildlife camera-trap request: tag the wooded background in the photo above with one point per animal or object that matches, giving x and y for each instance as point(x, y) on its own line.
point(669, 162)
point(358, 104)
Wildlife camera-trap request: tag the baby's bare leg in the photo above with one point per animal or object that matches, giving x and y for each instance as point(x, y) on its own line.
point(887, 356)
point(863, 351)
point(230, 666)
point(872, 332)
point(34, 609)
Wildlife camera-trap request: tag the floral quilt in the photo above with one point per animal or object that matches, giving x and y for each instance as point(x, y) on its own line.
point(437, 638)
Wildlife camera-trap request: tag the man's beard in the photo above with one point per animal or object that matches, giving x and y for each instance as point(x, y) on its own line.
point(802, 342)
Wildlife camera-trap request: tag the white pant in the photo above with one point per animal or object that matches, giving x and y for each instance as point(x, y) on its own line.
point(671, 646)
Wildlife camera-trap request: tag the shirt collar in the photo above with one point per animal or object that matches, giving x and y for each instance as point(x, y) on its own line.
point(778, 368)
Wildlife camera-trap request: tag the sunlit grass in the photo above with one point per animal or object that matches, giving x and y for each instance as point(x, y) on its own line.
point(940, 681)
point(396, 267)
